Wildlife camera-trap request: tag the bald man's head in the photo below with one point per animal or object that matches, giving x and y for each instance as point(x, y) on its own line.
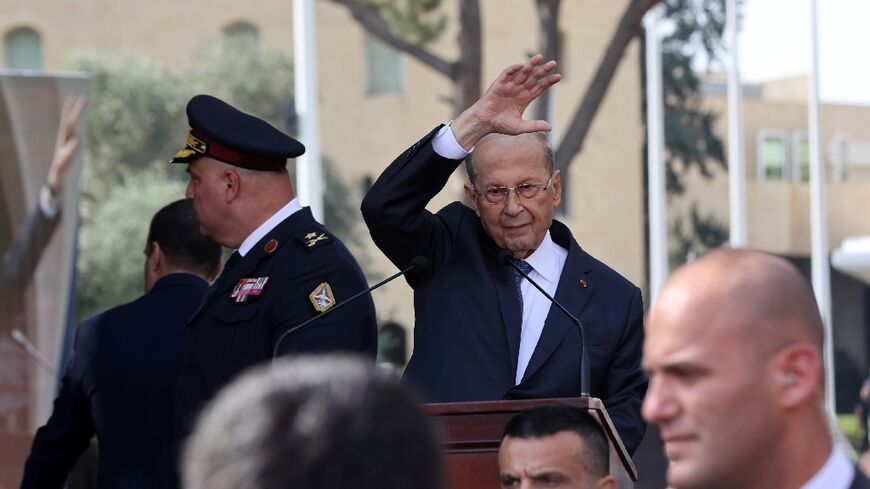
point(733, 350)
point(761, 293)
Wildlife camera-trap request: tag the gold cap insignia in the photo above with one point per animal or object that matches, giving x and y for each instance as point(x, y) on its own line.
point(196, 144)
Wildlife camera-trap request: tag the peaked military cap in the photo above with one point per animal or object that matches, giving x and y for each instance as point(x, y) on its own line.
point(223, 132)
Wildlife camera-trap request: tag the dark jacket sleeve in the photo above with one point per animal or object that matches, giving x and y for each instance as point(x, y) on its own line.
point(22, 257)
point(625, 385)
point(395, 208)
point(58, 445)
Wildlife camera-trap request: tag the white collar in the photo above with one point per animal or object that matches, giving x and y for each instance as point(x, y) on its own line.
point(837, 473)
point(545, 259)
point(283, 213)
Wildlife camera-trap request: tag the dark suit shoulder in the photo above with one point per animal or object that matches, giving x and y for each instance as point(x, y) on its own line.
point(860, 481)
point(602, 269)
point(602, 272)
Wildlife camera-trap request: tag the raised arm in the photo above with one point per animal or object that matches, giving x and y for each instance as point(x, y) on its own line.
point(501, 108)
point(395, 207)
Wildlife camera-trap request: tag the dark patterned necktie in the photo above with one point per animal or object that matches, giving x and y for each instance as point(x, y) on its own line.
point(518, 278)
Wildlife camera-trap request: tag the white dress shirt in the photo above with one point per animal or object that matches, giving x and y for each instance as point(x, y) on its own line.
point(283, 213)
point(547, 262)
point(837, 473)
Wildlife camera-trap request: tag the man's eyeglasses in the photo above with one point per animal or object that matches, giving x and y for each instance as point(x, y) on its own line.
point(497, 195)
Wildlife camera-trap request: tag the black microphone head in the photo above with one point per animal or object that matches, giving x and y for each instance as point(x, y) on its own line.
point(420, 264)
point(504, 257)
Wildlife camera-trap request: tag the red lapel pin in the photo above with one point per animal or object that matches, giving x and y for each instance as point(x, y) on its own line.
point(271, 246)
point(583, 283)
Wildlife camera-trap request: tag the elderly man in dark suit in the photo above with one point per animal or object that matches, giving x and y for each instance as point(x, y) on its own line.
point(734, 352)
point(483, 332)
point(122, 373)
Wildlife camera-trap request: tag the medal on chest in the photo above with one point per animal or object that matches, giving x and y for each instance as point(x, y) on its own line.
point(248, 287)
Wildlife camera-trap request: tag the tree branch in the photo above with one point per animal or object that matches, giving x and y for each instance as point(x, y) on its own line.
point(629, 26)
point(378, 28)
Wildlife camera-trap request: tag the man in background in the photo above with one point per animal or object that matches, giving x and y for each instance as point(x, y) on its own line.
point(125, 363)
point(555, 447)
point(314, 422)
point(734, 354)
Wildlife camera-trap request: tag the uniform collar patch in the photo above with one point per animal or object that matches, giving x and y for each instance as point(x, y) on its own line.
point(271, 246)
point(313, 238)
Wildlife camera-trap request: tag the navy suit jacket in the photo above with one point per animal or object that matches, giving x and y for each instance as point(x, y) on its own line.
point(20, 261)
point(118, 385)
point(468, 321)
point(860, 481)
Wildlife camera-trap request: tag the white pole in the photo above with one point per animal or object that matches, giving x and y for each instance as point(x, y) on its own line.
point(821, 271)
point(658, 239)
point(736, 168)
point(309, 176)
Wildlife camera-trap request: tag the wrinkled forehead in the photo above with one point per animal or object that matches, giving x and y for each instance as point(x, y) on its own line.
point(525, 154)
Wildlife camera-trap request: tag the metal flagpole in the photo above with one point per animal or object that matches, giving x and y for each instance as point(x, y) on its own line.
point(309, 175)
point(736, 167)
point(821, 271)
point(658, 239)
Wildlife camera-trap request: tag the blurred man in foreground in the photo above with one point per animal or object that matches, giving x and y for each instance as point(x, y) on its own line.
point(313, 422)
point(125, 362)
point(555, 447)
point(734, 354)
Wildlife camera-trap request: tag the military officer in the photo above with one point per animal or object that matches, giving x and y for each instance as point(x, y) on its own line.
point(286, 269)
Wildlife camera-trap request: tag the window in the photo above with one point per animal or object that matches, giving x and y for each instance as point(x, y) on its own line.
point(839, 156)
point(23, 49)
point(242, 32)
point(772, 163)
point(384, 68)
point(800, 161)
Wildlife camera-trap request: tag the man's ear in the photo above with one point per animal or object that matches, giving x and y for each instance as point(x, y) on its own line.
point(155, 257)
point(798, 374)
point(471, 195)
point(231, 181)
point(606, 482)
point(557, 188)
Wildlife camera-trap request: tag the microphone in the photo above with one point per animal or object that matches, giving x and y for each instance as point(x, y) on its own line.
point(418, 265)
point(505, 257)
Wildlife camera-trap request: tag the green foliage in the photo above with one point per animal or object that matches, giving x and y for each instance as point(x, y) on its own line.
point(253, 78)
point(418, 21)
point(689, 136)
point(134, 117)
point(848, 424)
point(705, 232)
point(137, 123)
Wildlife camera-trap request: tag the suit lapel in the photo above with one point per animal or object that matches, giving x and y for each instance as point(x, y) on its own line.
point(508, 302)
point(571, 293)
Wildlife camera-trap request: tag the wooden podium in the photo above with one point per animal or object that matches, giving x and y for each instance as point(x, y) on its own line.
point(471, 433)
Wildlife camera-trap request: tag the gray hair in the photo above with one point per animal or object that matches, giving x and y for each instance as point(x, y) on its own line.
point(314, 422)
point(549, 156)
